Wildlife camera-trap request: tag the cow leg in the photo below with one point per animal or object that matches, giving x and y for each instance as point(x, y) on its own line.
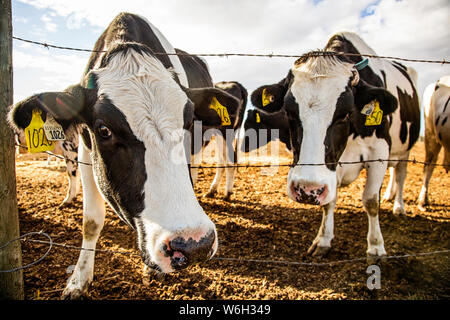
point(400, 176)
point(390, 192)
point(69, 152)
point(231, 160)
point(322, 243)
point(220, 147)
point(432, 148)
point(371, 202)
point(93, 220)
point(194, 171)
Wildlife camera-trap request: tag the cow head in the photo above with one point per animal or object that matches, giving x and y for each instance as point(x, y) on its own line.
point(256, 121)
point(135, 113)
point(323, 103)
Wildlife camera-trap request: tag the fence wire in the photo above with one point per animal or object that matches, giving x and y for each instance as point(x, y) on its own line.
point(274, 165)
point(270, 55)
point(218, 258)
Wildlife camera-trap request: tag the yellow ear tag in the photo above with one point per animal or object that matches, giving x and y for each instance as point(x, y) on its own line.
point(258, 119)
point(35, 135)
point(221, 111)
point(266, 98)
point(376, 116)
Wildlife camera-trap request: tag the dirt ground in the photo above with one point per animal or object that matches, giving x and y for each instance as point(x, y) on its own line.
point(259, 222)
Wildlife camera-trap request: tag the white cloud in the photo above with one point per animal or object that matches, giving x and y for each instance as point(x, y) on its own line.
point(50, 26)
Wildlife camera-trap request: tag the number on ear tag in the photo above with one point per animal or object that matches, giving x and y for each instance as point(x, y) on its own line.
point(221, 111)
point(53, 130)
point(35, 135)
point(376, 116)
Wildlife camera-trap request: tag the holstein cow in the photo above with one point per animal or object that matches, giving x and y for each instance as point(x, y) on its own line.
point(324, 98)
point(133, 105)
point(436, 101)
point(257, 121)
point(69, 150)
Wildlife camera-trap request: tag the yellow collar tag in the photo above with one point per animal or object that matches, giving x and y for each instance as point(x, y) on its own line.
point(35, 135)
point(376, 116)
point(221, 111)
point(266, 98)
point(258, 119)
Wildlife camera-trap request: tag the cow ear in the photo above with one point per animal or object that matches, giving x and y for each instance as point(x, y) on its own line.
point(365, 94)
point(269, 98)
point(213, 106)
point(67, 107)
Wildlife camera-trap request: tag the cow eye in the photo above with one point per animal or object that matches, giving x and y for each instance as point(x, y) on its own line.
point(104, 131)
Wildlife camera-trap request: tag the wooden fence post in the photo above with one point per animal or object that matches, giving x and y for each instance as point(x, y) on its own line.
point(11, 283)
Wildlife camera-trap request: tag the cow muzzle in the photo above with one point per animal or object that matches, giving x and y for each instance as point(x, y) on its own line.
point(183, 251)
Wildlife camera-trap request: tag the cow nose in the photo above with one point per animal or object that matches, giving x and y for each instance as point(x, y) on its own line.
point(184, 252)
point(309, 192)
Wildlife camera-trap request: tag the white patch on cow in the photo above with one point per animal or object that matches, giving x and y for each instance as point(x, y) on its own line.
point(317, 85)
point(153, 103)
point(174, 59)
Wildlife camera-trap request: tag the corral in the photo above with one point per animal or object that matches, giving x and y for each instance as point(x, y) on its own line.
point(259, 223)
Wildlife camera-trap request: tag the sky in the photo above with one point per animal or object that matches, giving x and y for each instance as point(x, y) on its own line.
point(414, 29)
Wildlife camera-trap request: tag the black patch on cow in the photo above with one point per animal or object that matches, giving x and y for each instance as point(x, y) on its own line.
point(118, 162)
point(74, 173)
point(437, 120)
point(295, 125)
point(267, 121)
point(446, 104)
point(196, 70)
point(277, 90)
point(409, 111)
point(444, 121)
point(338, 43)
point(127, 27)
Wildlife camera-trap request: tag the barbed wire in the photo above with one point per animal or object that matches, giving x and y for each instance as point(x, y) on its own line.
point(52, 244)
point(23, 237)
point(275, 165)
point(226, 55)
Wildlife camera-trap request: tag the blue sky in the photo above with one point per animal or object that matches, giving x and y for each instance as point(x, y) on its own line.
point(411, 29)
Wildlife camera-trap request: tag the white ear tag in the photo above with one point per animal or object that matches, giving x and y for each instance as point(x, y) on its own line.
point(53, 130)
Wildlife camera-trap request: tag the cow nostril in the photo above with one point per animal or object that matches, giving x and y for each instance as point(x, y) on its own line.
point(192, 250)
point(178, 260)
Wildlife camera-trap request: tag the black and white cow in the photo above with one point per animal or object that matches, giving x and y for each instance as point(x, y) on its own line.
point(212, 125)
point(436, 102)
point(132, 105)
point(257, 121)
point(324, 97)
point(69, 150)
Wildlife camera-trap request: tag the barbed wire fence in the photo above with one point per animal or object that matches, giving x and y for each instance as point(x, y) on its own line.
point(226, 55)
point(52, 244)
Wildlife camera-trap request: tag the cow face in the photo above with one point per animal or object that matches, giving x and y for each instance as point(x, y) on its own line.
point(135, 112)
point(323, 104)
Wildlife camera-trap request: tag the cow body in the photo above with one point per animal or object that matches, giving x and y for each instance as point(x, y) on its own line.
point(68, 149)
point(436, 101)
point(224, 138)
point(276, 127)
point(324, 98)
point(130, 109)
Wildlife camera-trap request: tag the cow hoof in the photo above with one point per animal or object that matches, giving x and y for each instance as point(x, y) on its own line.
point(73, 294)
point(421, 207)
point(374, 258)
point(227, 196)
point(317, 251)
point(399, 211)
point(210, 194)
